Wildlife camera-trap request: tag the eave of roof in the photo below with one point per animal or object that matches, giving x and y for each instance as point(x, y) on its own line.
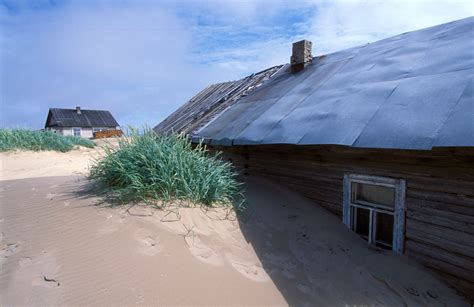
point(413, 91)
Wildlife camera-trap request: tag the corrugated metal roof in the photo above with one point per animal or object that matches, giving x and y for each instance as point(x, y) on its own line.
point(87, 118)
point(411, 91)
point(211, 102)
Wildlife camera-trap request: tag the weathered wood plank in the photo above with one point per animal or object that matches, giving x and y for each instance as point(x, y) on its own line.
point(454, 221)
point(448, 239)
point(440, 261)
point(441, 207)
point(439, 194)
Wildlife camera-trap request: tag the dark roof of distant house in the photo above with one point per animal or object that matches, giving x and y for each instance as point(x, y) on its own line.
point(410, 91)
point(86, 118)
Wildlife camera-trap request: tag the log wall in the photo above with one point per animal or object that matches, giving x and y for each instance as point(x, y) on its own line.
point(439, 195)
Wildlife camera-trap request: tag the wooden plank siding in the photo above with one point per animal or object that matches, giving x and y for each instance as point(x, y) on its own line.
point(439, 193)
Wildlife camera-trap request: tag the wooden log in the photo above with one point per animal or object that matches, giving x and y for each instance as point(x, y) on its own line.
point(455, 221)
point(439, 192)
point(464, 287)
point(443, 197)
point(425, 257)
point(445, 238)
point(107, 134)
point(441, 206)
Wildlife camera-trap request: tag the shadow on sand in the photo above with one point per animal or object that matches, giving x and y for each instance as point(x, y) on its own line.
point(312, 258)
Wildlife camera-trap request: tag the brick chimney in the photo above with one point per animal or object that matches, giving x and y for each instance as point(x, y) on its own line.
point(301, 56)
point(78, 110)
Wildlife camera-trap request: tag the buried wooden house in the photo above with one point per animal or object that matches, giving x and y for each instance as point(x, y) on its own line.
point(82, 123)
point(381, 135)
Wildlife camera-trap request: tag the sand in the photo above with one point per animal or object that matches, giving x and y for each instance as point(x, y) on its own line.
point(61, 245)
point(29, 164)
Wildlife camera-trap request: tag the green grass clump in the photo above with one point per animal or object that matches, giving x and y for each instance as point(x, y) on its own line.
point(11, 139)
point(150, 168)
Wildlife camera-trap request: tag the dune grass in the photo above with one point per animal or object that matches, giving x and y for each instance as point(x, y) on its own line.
point(23, 139)
point(151, 169)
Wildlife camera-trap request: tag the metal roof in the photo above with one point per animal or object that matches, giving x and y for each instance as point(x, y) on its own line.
point(411, 91)
point(87, 118)
point(210, 102)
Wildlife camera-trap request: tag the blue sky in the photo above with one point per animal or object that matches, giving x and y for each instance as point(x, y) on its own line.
point(143, 59)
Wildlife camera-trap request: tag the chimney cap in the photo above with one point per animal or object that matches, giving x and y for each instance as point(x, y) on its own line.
point(78, 110)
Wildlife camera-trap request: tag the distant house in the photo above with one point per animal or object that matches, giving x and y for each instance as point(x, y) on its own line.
point(381, 135)
point(83, 123)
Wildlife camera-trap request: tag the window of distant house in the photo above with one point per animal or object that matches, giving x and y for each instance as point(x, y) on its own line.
point(76, 131)
point(96, 130)
point(374, 208)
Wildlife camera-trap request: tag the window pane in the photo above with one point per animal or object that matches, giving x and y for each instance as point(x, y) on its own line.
point(361, 218)
point(77, 131)
point(373, 194)
point(384, 230)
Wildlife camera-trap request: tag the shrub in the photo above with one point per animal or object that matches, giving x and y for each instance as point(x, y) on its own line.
point(11, 139)
point(150, 168)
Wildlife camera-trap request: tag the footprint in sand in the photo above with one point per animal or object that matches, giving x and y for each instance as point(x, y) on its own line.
point(111, 224)
point(140, 299)
point(283, 264)
point(304, 288)
point(51, 196)
point(202, 252)
point(249, 269)
point(9, 249)
point(148, 243)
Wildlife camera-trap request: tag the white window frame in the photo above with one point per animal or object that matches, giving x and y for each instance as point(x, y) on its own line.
point(80, 131)
point(398, 211)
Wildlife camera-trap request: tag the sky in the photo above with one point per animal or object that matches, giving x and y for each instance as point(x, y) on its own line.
point(141, 60)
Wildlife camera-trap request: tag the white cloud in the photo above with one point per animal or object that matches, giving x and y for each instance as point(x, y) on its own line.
point(141, 60)
point(331, 25)
point(343, 24)
point(132, 60)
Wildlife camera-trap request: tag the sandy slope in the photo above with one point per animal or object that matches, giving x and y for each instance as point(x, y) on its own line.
point(29, 164)
point(60, 247)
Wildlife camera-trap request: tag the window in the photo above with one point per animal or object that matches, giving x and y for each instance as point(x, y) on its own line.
point(96, 130)
point(76, 131)
point(374, 208)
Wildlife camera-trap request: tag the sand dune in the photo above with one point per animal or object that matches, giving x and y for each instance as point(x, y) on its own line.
point(32, 164)
point(105, 256)
point(60, 245)
point(28, 164)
